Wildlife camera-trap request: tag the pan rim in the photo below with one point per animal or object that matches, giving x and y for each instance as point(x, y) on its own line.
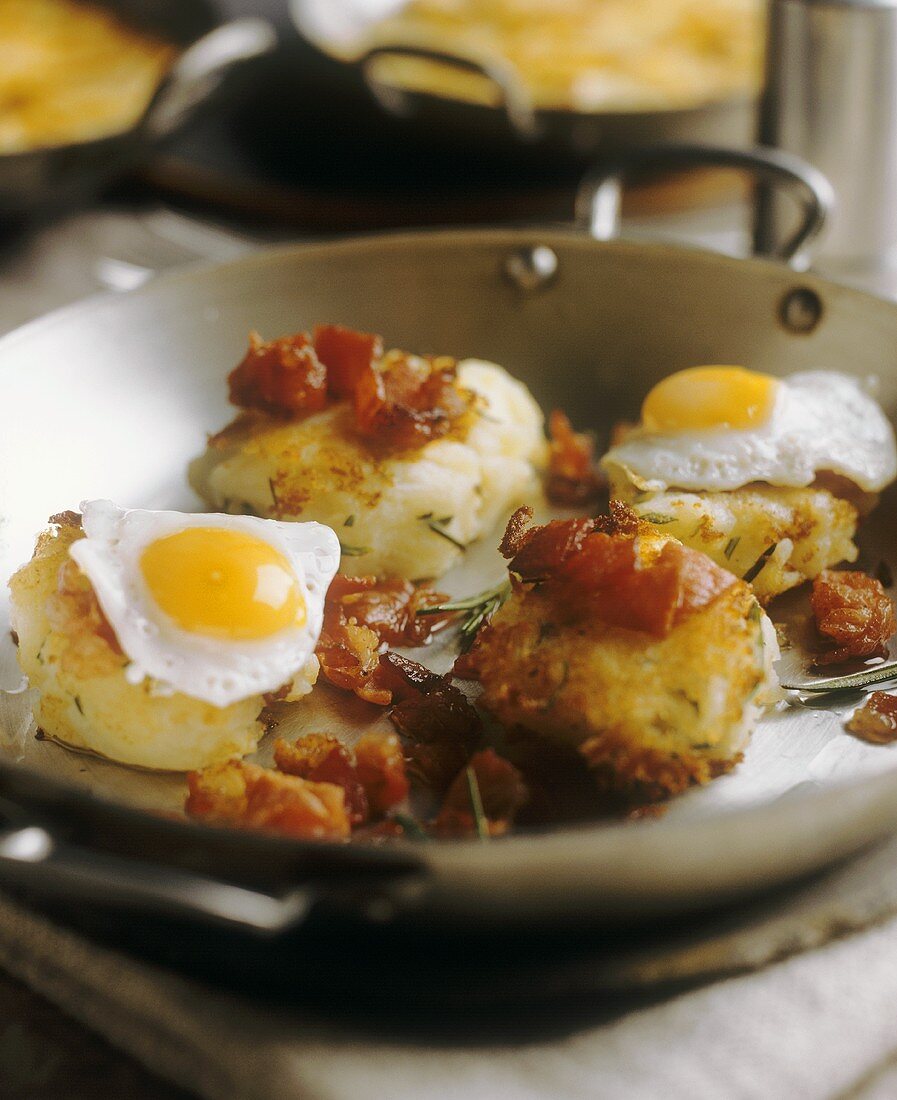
point(598, 837)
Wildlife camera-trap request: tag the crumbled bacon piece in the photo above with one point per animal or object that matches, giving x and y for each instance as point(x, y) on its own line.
point(876, 720)
point(390, 606)
point(323, 759)
point(361, 616)
point(516, 533)
point(573, 479)
point(502, 793)
point(380, 767)
point(854, 612)
point(593, 567)
point(283, 377)
point(436, 718)
point(347, 355)
point(405, 401)
point(251, 797)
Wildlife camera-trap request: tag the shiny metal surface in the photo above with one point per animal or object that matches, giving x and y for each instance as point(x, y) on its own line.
point(615, 317)
point(599, 202)
point(831, 98)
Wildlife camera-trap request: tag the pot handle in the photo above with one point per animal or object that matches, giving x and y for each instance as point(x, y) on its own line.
point(200, 70)
point(32, 859)
point(514, 98)
point(598, 200)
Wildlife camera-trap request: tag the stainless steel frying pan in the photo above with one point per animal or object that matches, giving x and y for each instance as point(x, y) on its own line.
point(512, 126)
point(113, 396)
point(46, 177)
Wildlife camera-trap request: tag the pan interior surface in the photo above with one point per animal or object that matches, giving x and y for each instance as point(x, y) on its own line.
point(113, 397)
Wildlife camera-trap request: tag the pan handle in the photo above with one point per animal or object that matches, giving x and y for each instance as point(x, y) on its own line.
point(599, 197)
point(31, 858)
point(514, 98)
point(200, 70)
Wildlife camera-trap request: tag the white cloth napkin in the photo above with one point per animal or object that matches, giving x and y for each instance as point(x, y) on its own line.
point(820, 1025)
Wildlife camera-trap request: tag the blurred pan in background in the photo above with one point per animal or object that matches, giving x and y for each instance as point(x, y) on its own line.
point(649, 73)
point(192, 53)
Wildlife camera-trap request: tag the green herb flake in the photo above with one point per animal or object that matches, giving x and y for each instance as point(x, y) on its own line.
point(759, 564)
point(353, 551)
point(78, 704)
point(349, 522)
point(273, 489)
point(657, 518)
point(437, 526)
point(731, 545)
point(476, 804)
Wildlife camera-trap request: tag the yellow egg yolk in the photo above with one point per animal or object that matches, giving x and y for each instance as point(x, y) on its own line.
point(222, 583)
point(709, 397)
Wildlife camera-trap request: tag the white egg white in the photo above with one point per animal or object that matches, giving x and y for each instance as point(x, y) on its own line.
point(215, 670)
point(821, 421)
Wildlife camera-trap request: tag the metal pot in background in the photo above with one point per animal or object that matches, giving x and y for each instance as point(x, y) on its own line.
point(831, 98)
point(47, 178)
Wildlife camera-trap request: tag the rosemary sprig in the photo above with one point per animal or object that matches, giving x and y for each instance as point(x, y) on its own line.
point(476, 804)
point(438, 527)
point(475, 610)
point(758, 565)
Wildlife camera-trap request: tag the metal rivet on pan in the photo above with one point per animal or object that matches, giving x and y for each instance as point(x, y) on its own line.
point(800, 310)
point(532, 267)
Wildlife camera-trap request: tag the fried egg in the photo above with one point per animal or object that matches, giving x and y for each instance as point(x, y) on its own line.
point(719, 428)
point(216, 607)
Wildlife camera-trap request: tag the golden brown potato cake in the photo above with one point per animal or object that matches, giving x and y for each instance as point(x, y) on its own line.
point(73, 663)
point(776, 538)
point(655, 706)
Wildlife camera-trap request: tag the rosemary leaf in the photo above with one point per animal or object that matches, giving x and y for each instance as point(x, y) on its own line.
point(731, 545)
point(758, 565)
point(869, 677)
point(353, 551)
point(437, 526)
point(350, 521)
point(476, 803)
point(273, 489)
point(658, 518)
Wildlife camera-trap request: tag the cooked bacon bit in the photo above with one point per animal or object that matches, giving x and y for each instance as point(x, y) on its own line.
point(876, 720)
point(237, 793)
point(855, 612)
point(380, 766)
point(405, 401)
point(390, 606)
point(515, 534)
point(349, 660)
point(573, 479)
point(436, 717)
point(347, 355)
point(323, 759)
point(283, 377)
point(620, 520)
point(593, 566)
point(545, 549)
point(361, 615)
point(502, 793)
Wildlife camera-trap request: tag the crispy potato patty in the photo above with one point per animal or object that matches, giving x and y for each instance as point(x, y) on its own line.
point(776, 537)
point(409, 513)
point(651, 715)
point(83, 698)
